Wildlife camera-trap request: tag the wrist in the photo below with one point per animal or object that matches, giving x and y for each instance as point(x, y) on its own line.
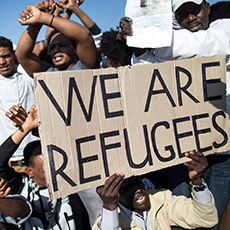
point(197, 181)
point(26, 128)
point(201, 187)
point(110, 207)
point(45, 18)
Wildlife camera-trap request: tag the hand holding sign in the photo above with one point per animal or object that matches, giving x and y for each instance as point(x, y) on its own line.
point(196, 166)
point(109, 192)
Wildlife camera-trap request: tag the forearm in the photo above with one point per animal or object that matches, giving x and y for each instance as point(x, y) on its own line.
point(67, 14)
point(201, 43)
point(7, 150)
point(67, 27)
point(86, 20)
point(203, 196)
point(14, 207)
point(19, 134)
point(24, 51)
point(109, 219)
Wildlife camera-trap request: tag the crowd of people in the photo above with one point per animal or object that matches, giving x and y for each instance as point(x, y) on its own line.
point(187, 196)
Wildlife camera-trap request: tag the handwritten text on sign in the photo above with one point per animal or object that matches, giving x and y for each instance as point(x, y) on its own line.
point(131, 120)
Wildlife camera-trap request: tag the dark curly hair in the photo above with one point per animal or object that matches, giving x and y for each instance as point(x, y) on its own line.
point(115, 50)
point(4, 42)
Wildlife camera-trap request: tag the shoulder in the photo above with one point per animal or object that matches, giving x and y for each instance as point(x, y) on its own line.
point(25, 77)
point(220, 24)
point(77, 66)
point(159, 193)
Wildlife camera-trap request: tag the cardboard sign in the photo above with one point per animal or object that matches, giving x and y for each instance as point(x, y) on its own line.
point(131, 119)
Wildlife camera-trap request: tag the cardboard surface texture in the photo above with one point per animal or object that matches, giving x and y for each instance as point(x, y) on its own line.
point(131, 119)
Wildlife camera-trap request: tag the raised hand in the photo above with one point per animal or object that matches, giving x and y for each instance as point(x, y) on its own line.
point(30, 15)
point(109, 192)
point(47, 6)
point(196, 166)
point(125, 28)
point(75, 2)
point(20, 118)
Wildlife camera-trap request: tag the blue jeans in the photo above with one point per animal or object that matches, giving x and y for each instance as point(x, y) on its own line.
point(217, 177)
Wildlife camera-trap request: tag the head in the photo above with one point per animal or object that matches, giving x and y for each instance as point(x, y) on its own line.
point(62, 50)
point(34, 162)
point(116, 51)
point(192, 14)
point(133, 195)
point(8, 61)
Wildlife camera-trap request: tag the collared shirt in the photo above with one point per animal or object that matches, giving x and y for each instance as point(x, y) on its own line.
point(77, 66)
point(110, 220)
point(142, 221)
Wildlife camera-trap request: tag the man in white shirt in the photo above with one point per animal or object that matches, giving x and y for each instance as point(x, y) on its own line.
point(15, 87)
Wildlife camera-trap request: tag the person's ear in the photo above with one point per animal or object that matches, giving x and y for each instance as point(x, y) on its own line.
point(29, 171)
point(208, 7)
point(109, 63)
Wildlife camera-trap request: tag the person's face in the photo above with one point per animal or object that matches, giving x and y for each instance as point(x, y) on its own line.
point(36, 171)
point(62, 52)
point(193, 17)
point(8, 64)
point(134, 196)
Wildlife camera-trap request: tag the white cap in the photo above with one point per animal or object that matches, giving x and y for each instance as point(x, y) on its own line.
point(178, 3)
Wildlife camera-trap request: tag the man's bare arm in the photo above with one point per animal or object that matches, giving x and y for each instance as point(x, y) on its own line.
point(11, 206)
point(86, 49)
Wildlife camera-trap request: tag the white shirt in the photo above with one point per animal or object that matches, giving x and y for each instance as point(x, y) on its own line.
point(185, 44)
point(13, 90)
point(77, 66)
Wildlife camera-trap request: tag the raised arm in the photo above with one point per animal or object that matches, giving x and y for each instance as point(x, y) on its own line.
point(25, 122)
point(126, 30)
point(57, 11)
point(109, 193)
point(196, 166)
point(86, 49)
point(73, 6)
point(24, 52)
